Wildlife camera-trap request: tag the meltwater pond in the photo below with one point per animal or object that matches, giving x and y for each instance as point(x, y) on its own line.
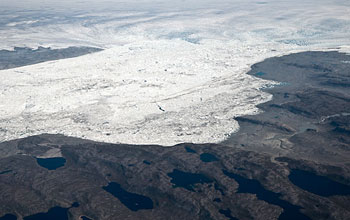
point(319, 185)
point(260, 73)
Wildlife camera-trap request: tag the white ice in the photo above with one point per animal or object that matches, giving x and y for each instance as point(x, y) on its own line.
point(168, 74)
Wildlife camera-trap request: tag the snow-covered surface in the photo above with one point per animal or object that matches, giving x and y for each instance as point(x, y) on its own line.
point(169, 73)
point(133, 94)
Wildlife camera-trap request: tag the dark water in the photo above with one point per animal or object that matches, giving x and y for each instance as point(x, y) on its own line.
point(260, 73)
point(75, 205)
point(217, 200)
point(51, 163)
point(319, 185)
point(85, 218)
point(132, 201)
point(55, 213)
point(206, 157)
point(5, 171)
point(8, 217)
point(147, 162)
point(190, 150)
point(290, 211)
point(187, 180)
point(227, 213)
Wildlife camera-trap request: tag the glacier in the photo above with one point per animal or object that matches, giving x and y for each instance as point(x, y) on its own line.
point(170, 72)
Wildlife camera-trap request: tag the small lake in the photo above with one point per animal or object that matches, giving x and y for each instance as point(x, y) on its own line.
point(132, 201)
point(55, 213)
point(51, 163)
point(217, 200)
point(207, 158)
point(190, 150)
point(5, 171)
point(147, 162)
point(227, 214)
point(319, 185)
point(290, 211)
point(8, 217)
point(187, 180)
point(85, 218)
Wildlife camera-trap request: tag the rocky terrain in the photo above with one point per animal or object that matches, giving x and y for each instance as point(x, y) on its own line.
point(309, 115)
point(22, 56)
point(292, 161)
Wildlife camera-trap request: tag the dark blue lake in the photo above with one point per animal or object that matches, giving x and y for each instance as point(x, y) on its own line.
point(51, 163)
point(190, 150)
point(187, 180)
point(132, 201)
point(227, 214)
point(206, 157)
point(147, 162)
point(8, 217)
point(290, 211)
point(319, 185)
point(217, 200)
point(85, 218)
point(55, 213)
